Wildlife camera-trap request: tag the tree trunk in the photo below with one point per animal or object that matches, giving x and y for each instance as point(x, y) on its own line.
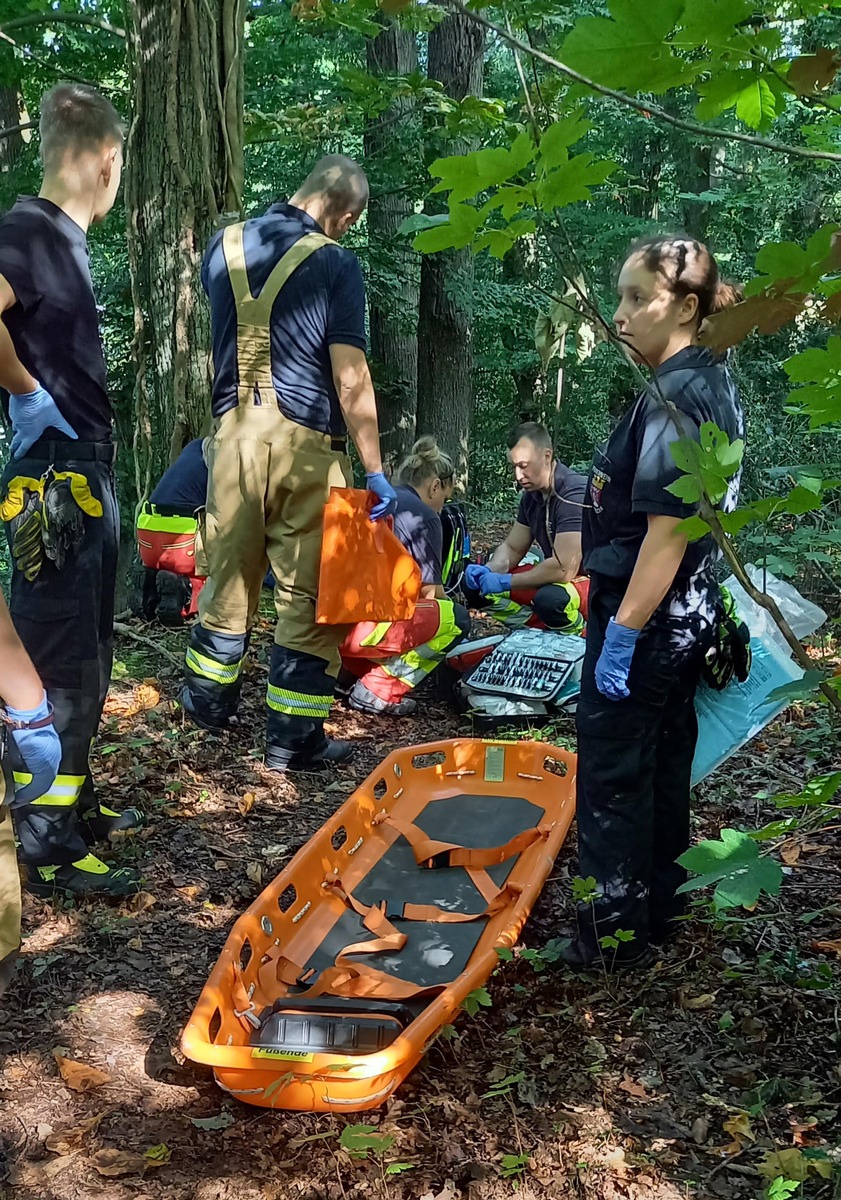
point(184, 175)
point(445, 323)
point(10, 115)
point(393, 296)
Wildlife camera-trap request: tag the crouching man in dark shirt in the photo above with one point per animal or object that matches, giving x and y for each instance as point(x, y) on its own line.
point(57, 491)
point(549, 594)
point(170, 540)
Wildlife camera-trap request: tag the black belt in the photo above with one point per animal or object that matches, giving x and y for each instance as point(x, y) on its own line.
point(67, 451)
point(339, 444)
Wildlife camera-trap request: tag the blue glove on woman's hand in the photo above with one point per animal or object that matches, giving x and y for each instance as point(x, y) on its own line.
point(615, 661)
point(385, 493)
point(32, 414)
point(474, 574)
point(493, 583)
point(40, 750)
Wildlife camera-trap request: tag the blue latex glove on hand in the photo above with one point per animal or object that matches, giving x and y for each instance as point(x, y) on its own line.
point(385, 493)
point(32, 414)
point(493, 583)
point(474, 574)
point(615, 661)
point(40, 750)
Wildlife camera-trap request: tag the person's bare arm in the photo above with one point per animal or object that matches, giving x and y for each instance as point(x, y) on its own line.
point(657, 565)
point(433, 591)
point(509, 553)
point(14, 376)
point(355, 389)
point(560, 567)
point(19, 682)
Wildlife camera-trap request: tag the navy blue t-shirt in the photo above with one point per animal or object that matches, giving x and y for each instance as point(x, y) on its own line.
point(321, 304)
point(183, 486)
point(420, 530)
point(560, 512)
point(54, 324)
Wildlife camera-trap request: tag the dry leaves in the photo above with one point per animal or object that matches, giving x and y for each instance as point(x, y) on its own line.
point(254, 871)
point(65, 1141)
point(78, 1076)
point(141, 902)
point(633, 1088)
point(813, 72)
point(766, 313)
point(740, 1131)
point(126, 1162)
point(246, 803)
point(145, 696)
point(697, 1003)
point(833, 947)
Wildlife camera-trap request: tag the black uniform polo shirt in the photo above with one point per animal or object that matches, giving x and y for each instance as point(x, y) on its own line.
point(54, 323)
point(320, 305)
point(559, 512)
point(633, 468)
point(183, 487)
point(420, 530)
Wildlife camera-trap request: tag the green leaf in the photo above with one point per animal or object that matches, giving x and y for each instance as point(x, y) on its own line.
point(818, 791)
point(455, 233)
point(760, 102)
point(706, 22)
point(572, 181)
point(798, 689)
point(726, 454)
point(733, 863)
point(500, 241)
point(630, 51)
point(693, 528)
point(478, 998)
point(358, 1140)
point(398, 1168)
point(221, 1121)
point(802, 500)
point(584, 891)
point(419, 221)
point(687, 489)
point(466, 175)
point(559, 137)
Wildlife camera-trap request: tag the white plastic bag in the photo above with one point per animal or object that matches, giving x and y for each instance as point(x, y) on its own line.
point(803, 616)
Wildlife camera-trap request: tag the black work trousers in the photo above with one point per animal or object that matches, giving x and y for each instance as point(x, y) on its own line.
point(634, 766)
point(65, 619)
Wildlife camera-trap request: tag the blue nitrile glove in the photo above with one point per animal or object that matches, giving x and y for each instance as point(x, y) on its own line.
point(32, 414)
point(40, 750)
point(493, 583)
point(474, 574)
point(385, 493)
point(615, 660)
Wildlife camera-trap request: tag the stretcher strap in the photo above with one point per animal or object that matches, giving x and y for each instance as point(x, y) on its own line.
point(431, 853)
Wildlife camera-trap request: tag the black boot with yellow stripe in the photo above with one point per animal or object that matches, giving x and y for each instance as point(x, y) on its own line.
point(103, 823)
point(88, 876)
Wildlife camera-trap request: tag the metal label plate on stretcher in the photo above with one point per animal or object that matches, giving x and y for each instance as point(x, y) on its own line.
point(533, 664)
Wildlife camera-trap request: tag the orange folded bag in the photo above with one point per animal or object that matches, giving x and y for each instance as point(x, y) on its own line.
point(366, 574)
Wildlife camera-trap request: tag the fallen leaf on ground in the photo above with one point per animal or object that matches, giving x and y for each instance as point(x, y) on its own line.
point(700, 1130)
point(189, 892)
point(221, 1121)
point(80, 1077)
point(793, 1164)
point(694, 1003)
point(633, 1088)
point(833, 947)
point(738, 1127)
point(254, 871)
point(274, 851)
point(790, 853)
point(123, 1162)
point(141, 902)
point(65, 1140)
point(55, 1165)
point(246, 803)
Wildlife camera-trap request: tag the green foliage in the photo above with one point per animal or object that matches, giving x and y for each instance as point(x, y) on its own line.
point(615, 940)
point(629, 51)
point(709, 464)
point(584, 891)
point(478, 998)
point(734, 864)
point(821, 371)
point(818, 791)
point(361, 1141)
point(513, 1166)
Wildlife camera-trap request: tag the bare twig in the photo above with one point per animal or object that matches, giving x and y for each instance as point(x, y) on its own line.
point(62, 18)
point(127, 631)
point(652, 111)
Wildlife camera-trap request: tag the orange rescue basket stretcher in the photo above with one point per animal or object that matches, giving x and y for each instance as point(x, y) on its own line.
point(332, 984)
point(366, 572)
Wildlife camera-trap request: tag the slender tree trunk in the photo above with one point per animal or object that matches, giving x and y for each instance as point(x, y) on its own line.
point(393, 294)
point(184, 174)
point(10, 115)
point(445, 323)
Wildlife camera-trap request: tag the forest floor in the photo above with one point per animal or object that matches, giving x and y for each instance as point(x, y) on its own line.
point(691, 1078)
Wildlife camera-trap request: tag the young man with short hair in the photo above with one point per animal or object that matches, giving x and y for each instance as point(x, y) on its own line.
point(57, 490)
point(550, 513)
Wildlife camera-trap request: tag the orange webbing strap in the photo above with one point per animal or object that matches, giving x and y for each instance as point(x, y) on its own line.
point(356, 980)
point(431, 853)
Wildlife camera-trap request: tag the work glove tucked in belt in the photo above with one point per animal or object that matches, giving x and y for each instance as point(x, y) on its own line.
point(730, 653)
point(46, 517)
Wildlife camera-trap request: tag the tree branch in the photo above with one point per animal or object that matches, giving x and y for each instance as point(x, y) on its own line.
point(648, 110)
point(11, 130)
point(61, 18)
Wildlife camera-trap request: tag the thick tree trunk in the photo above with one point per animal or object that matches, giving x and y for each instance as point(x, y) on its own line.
point(393, 294)
point(184, 176)
point(445, 324)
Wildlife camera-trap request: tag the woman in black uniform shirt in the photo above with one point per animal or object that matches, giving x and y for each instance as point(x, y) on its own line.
point(653, 606)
